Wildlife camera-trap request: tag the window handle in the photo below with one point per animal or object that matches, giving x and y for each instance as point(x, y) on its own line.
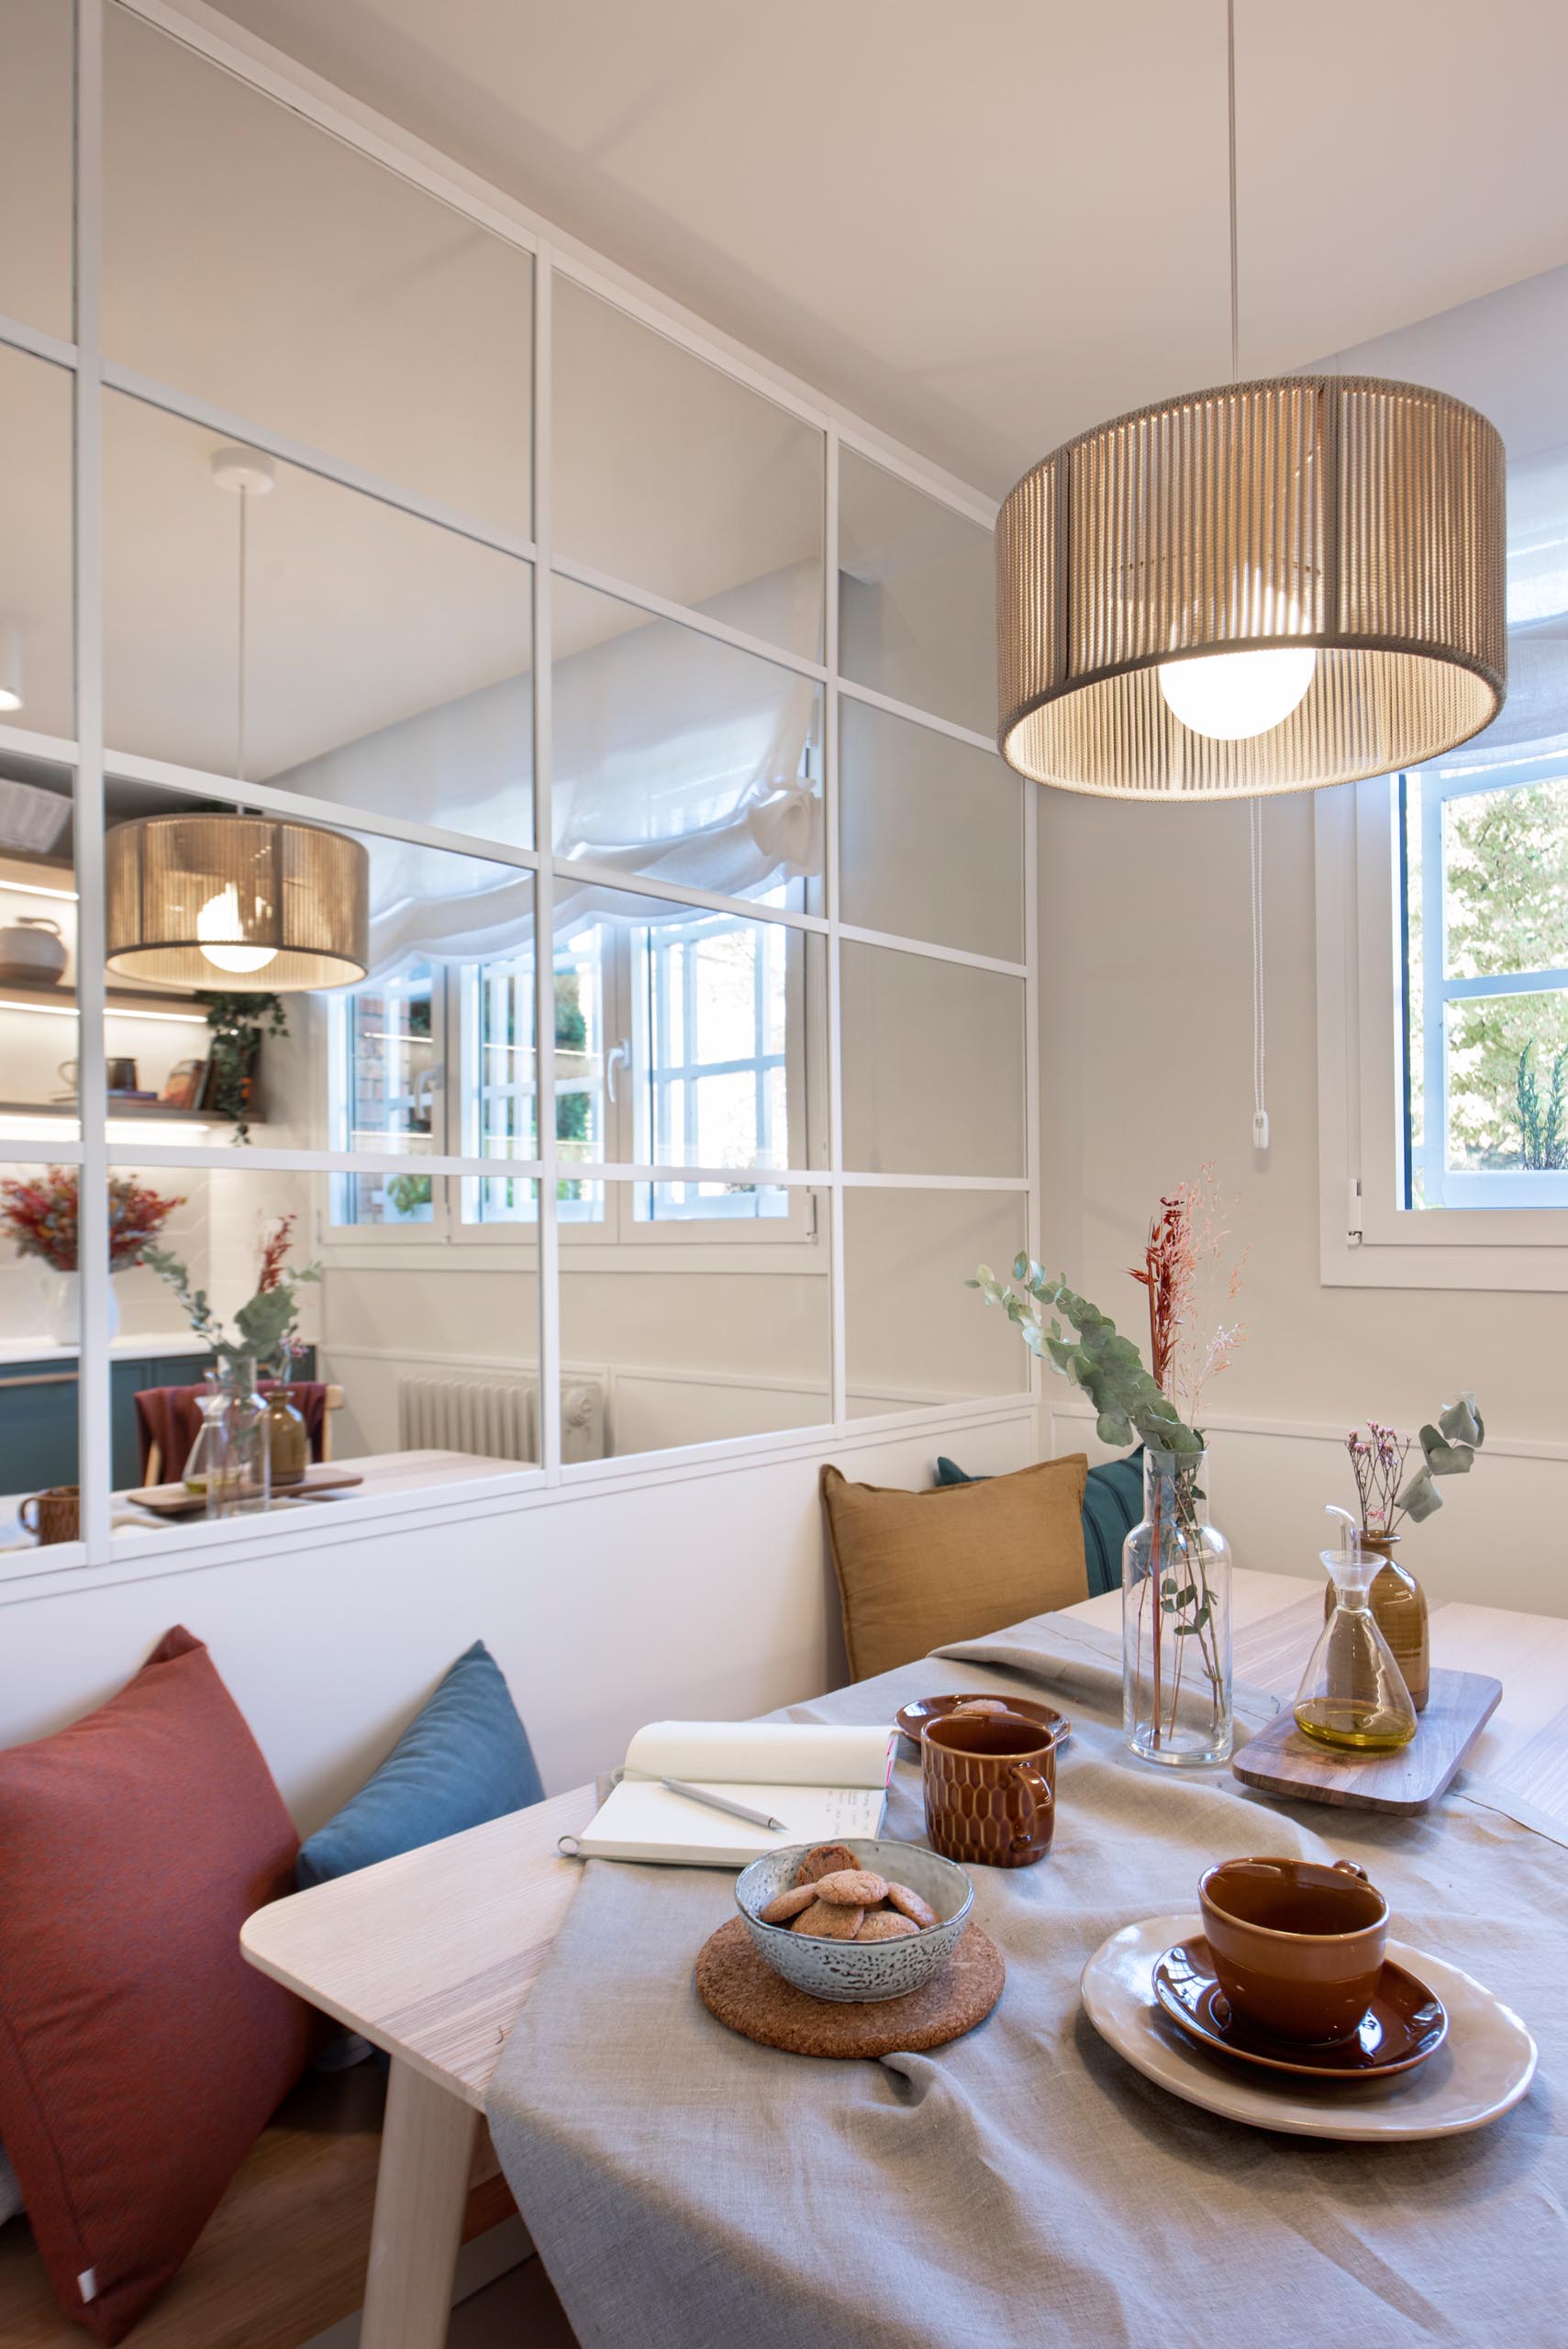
point(619, 1056)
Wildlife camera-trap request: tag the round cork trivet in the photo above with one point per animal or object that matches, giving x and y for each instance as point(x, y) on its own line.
point(739, 1986)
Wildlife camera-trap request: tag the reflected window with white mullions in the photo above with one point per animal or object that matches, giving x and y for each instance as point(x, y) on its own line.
point(710, 1045)
point(501, 1078)
point(388, 1094)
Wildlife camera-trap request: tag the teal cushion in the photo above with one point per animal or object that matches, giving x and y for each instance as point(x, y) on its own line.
point(464, 1758)
point(1113, 1503)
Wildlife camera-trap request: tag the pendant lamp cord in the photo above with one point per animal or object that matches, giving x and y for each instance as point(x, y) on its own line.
point(1254, 806)
point(239, 698)
point(1230, 122)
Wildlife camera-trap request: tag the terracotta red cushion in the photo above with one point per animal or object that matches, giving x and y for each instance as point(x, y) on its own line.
point(140, 2055)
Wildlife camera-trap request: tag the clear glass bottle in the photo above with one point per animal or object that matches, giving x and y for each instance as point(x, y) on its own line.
point(1175, 1621)
point(246, 1483)
point(1352, 1695)
point(1399, 1604)
point(203, 1474)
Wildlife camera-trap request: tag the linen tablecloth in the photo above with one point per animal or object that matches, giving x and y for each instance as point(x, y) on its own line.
point(1024, 2185)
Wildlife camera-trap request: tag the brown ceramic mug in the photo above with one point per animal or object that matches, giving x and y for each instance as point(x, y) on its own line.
point(57, 1514)
point(1297, 1947)
point(990, 1788)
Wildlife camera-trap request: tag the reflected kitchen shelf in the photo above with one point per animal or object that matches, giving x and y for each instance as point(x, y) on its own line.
point(142, 1003)
point(160, 1113)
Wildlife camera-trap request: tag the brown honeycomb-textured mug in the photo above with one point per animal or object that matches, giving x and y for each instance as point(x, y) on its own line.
point(56, 1514)
point(990, 1789)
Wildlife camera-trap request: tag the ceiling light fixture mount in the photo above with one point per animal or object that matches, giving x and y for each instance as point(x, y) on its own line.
point(1260, 588)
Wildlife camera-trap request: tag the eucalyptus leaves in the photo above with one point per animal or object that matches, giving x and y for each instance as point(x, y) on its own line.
point(1447, 1450)
point(261, 1327)
point(1128, 1404)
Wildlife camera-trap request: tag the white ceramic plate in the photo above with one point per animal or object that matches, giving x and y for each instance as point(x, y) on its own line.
point(1484, 2068)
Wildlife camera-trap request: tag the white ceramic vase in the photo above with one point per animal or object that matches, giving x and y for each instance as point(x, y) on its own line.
point(63, 1308)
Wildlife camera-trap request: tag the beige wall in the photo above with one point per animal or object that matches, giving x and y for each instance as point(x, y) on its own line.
point(1146, 1042)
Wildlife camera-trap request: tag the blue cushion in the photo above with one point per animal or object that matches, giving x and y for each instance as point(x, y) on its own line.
point(463, 1759)
point(1113, 1503)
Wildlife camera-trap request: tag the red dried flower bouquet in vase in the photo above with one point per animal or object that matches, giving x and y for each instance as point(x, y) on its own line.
point(39, 1213)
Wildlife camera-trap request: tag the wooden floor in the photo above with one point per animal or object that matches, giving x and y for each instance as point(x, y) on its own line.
point(283, 2258)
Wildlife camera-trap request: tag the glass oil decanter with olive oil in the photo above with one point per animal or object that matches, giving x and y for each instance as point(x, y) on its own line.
point(1352, 1697)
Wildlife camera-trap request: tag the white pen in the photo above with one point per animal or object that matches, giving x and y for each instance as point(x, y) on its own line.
point(722, 1802)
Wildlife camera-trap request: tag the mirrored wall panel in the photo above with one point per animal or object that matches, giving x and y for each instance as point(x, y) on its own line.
point(675, 477)
point(416, 1039)
point(39, 956)
point(917, 589)
point(39, 1343)
point(257, 262)
point(931, 835)
point(683, 758)
point(376, 1370)
point(913, 1334)
point(663, 1344)
point(37, 145)
point(383, 661)
point(35, 507)
point(933, 1066)
point(687, 1038)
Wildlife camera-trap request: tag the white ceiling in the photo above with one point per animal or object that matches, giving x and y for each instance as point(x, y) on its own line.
point(986, 228)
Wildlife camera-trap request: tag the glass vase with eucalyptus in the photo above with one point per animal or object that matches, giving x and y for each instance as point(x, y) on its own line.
point(1175, 1619)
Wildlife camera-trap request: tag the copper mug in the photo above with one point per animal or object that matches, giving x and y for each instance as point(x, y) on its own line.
point(1296, 1947)
point(990, 1781)
point(57, 1514)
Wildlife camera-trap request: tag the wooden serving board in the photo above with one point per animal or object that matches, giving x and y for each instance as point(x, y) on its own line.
point(1280, 1760)
point(173, 1500)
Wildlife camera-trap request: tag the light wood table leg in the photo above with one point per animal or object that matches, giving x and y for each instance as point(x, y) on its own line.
point(421, 2193)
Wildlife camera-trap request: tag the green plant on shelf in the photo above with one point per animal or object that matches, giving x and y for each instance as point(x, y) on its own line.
point(237, 1024)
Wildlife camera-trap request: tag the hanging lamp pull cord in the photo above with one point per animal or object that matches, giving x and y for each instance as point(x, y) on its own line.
point(1260, 997)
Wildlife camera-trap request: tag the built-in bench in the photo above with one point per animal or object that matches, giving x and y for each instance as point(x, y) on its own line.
point(284, 2255)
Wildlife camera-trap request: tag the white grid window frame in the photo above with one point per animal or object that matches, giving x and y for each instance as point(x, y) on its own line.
point(1367, 1239)
point(100, 1151)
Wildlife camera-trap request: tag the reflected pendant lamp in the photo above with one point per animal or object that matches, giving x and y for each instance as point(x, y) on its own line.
point(245, 905)
point(1260, 587)
point(237, 903)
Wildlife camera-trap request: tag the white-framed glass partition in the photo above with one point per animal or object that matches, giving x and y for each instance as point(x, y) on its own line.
point(592, 630)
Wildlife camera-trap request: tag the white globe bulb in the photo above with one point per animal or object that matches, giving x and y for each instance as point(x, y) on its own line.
point(218, 920)
point(1232, 696)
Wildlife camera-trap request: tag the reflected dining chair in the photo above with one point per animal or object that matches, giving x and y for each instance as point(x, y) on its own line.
point(167, 1420)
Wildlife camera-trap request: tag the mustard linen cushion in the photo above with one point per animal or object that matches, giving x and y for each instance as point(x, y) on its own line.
point(918, 1570)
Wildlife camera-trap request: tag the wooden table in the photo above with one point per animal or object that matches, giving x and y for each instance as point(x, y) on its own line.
point(431, 1955)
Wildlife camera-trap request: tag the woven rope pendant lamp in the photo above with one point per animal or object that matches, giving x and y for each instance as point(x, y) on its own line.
point(1260, 587)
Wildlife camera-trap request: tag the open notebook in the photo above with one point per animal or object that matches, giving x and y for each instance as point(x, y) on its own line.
point(822, 1783)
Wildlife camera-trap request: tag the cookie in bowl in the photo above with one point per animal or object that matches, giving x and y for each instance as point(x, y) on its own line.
point(886, 1890)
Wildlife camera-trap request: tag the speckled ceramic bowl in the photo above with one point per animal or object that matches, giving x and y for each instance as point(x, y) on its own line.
point(858, 1972)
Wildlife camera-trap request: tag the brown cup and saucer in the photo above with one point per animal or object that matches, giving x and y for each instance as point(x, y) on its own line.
point(911, 1718)
point(990, 1787)
point(1291, 1972)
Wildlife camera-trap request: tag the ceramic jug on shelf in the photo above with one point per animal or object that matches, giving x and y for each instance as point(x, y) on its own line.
point(33, 951)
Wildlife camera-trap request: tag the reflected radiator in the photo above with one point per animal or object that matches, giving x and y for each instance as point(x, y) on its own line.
point(486, 1417)
point(497, 1419)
